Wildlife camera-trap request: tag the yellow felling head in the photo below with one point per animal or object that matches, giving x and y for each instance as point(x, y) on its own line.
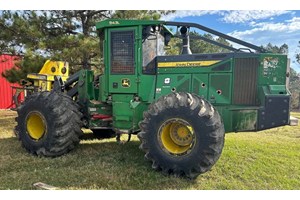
point(55, 68)
point(45, 78)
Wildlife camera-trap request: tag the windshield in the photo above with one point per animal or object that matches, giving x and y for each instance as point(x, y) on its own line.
point(153, 45)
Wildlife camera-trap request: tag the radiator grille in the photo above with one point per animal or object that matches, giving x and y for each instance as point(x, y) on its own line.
point(245, 81)
point(122, 52)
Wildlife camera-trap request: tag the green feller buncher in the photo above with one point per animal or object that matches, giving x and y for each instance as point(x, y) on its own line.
point(180, 106)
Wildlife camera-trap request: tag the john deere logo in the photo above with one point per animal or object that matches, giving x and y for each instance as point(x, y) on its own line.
point(125, 82)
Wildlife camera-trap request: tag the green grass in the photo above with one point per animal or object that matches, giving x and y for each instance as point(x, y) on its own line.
point(253, 160)
point(296, 114)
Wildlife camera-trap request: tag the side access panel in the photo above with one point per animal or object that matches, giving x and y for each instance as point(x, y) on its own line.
point(168, 83)
point(220, 88)
point(200, 85)
point(122, 62)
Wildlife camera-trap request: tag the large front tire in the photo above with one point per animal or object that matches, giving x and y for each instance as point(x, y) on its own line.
point(49, 124)
point(182, 134)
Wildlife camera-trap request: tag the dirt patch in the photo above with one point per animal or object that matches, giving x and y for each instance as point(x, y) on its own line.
point(7, 113)
point(7, 123)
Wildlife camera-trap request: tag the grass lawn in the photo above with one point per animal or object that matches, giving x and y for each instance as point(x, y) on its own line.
point(252, 160)
point(296, 114)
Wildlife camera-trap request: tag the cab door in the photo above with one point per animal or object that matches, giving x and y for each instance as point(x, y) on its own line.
point(122, 62)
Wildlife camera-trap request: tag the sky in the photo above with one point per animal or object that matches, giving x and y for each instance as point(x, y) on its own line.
point(256, 21)
point(258, 27)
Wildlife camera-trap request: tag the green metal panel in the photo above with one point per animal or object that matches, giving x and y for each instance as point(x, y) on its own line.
point(210, 77)
point(125, 23)
point(147, 88)
point(220, 88)
point(272, 69)
point(238, 118)
point(123, 83)
point(122, 114)
point(272, 90)
point(85, 85)
point(101, 88)
point(226, 116)
point(244, 120)
point(200, 85)
point(137, 112)
point(167, 83)
point(127, 113)
point(104, 78)
point(277, 89)
point(195, 69)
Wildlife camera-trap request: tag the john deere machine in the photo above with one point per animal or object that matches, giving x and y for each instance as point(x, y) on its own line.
point(180, 106)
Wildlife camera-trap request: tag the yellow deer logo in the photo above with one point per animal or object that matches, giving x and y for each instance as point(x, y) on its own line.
point(126, 82)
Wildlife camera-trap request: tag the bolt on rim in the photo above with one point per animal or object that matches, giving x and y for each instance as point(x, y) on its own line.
point(176, 137)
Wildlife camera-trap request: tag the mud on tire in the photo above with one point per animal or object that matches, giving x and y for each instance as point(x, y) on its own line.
point(182, 134)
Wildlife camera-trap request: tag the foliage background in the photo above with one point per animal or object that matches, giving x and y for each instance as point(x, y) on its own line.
point(70, 35)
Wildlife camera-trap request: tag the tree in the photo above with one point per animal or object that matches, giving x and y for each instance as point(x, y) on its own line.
point(197, 45)
point(294, 89)
point(283, 49)
point(28, 64)
point(200, 46)
point(140, 14)
point(59, 35)
point(298, 54)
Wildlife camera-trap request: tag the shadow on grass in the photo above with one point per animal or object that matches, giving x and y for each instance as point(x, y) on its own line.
point(96, 164)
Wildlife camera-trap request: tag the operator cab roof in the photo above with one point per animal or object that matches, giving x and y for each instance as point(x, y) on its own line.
point(109, 23)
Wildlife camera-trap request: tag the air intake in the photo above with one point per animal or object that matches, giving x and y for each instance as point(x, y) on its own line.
point(245, 81)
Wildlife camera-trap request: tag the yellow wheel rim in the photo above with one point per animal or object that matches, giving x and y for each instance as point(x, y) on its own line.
point(177, 136)
point(36, 126)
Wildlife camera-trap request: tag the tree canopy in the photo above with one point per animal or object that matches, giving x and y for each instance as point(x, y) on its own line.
point(284, 49)
point(298, 54)
point(67, 35)
point(198, 46)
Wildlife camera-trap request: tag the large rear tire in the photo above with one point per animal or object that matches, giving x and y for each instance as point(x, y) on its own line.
point(182, 134)
point(49, 124)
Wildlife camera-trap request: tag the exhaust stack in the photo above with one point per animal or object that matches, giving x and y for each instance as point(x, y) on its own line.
point(185, 40)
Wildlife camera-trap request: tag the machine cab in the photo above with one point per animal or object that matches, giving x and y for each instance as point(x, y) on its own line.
point(129, 52)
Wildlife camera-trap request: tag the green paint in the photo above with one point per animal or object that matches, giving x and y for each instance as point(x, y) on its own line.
point(277, 89)
point(166, 83)
point(220, 88)
point(113, 23)
point(272, 69)
point(125, 96)
point(200, 85)
point(244, 120)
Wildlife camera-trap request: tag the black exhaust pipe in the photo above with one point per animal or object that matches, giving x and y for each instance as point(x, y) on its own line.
point(73, 78)
point(185, 41)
